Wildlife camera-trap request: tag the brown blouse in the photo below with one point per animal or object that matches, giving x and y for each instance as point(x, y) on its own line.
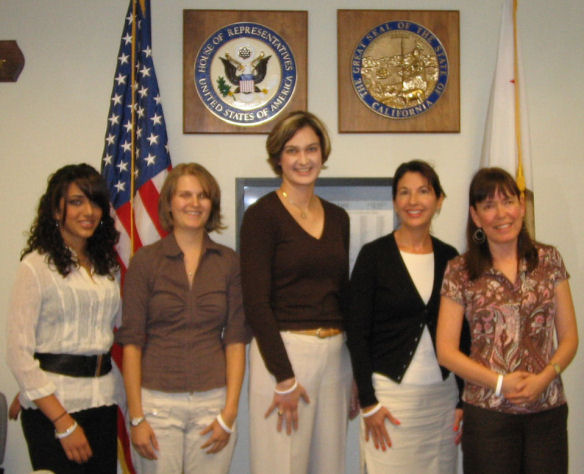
point(182, 331)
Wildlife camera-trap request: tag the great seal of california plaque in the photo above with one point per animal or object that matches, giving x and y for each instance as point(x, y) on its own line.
point(245, 74)
point(399, 69)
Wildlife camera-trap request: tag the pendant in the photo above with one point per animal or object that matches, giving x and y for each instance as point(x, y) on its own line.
point(303, 213)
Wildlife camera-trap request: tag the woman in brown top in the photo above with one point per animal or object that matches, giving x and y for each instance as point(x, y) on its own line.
point(184, 335)
point(515, 294)
point(294, 256)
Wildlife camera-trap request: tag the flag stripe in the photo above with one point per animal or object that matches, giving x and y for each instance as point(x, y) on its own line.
point(149, 193)
point(123, 248)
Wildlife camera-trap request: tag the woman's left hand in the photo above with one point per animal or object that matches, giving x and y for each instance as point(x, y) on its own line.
point(458, 425)
point(527, 390)
point(219, 437)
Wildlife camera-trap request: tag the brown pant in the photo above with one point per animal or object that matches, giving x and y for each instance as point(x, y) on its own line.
point(501, 443)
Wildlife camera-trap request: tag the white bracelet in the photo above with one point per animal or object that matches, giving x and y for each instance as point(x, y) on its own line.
point(372, 412)
point(223, 425)
point(67, 432)
point(499, 385)
point(288, 390)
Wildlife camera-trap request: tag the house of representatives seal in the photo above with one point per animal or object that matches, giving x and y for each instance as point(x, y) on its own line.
point(399, 69)
point(245, 74)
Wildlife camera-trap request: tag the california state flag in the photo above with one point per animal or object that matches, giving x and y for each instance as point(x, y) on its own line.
point(506, 142)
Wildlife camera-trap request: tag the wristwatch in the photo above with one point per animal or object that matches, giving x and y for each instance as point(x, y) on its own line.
point(136, 421)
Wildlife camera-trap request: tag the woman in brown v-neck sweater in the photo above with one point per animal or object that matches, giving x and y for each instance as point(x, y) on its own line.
point(294, 260)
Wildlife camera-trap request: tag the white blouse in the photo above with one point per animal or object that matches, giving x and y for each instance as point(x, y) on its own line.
point(75, 314)
point(424, 368)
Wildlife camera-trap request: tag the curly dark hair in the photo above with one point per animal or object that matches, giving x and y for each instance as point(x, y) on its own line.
point(45, 236)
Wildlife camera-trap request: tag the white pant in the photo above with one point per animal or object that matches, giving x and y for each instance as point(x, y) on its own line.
point(323, 368)
point(177, 420)
point(424, 441)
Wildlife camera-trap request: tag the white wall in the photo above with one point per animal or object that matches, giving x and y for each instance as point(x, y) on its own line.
point(56, 114)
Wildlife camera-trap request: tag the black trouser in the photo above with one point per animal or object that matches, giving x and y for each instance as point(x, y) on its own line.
point(501, 443)
point(46, 452)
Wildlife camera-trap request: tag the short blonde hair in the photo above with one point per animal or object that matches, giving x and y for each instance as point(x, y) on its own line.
point(286, 128)
point(209, 185)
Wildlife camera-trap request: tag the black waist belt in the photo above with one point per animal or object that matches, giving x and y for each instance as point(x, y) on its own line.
point(75, 365)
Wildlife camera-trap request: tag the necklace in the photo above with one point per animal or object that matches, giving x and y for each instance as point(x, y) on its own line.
point(303, 213)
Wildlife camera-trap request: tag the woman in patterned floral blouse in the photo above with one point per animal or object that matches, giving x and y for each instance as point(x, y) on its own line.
point(515, 294)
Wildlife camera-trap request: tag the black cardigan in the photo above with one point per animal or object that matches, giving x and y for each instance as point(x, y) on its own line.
point(387, 315)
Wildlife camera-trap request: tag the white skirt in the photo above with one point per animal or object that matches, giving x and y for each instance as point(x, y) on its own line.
point(424, 441)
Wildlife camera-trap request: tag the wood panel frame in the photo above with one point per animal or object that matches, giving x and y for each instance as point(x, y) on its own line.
point(198, 25)
point(354, 115)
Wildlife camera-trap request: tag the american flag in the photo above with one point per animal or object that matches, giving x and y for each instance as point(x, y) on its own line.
point(135, 156)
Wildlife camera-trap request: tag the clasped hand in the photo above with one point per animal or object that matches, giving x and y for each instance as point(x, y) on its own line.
point(522, 387)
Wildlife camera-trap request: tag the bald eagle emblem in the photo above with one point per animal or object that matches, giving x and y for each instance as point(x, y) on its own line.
point(244, 73)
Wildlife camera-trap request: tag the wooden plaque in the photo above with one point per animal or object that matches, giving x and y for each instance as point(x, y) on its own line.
point(354, 26)
point(11, 61)
point(202, 32)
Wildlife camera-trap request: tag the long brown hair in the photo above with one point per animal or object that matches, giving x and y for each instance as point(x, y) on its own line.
point(485, 184)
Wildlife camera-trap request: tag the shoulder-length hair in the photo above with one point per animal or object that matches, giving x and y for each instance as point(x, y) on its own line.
point(422, 167)
point(209, 185)
point(286, 128)
point(486, 183)
point(45, 235)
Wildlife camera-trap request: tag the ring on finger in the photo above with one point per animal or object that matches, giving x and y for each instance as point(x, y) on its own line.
point(280, 412)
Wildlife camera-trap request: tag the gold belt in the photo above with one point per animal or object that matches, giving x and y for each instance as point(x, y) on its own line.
point(319, 332)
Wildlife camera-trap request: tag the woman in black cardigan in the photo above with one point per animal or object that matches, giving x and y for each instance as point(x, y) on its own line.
point(411, 422)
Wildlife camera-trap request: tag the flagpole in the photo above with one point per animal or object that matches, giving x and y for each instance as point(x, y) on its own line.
point(134, 187)
point(520, 176)
point(133, 134)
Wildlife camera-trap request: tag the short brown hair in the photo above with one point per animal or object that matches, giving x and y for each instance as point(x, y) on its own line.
point(286, 128)
point(209, 185)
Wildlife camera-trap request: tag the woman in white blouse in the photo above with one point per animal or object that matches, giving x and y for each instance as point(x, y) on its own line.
point(65, 302)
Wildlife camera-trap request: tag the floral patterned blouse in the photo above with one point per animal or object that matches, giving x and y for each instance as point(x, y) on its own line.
point(511, 324)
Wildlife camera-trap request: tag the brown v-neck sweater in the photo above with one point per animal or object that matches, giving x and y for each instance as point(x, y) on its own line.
point(290, 279)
